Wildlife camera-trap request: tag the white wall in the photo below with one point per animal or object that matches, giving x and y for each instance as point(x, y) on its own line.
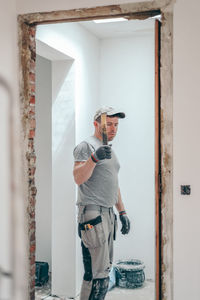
point(43, 149)
point(17, 247)
point(63, 188)
point(79, 44)
point(127, 82)
point(37, 5)
point(82, 72)
point(186, 149)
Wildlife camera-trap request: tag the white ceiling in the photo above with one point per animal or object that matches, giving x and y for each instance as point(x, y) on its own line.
point(119, 29)
point(101, 31)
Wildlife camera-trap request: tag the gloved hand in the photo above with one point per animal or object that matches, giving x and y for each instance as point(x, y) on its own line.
point(101, 153)
point(125, 222)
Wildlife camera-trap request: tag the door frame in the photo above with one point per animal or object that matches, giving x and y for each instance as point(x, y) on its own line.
point(164, 135)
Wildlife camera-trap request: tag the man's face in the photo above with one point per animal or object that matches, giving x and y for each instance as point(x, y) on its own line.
point(112, 126)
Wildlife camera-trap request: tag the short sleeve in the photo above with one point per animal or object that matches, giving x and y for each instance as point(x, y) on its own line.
point(82, 152)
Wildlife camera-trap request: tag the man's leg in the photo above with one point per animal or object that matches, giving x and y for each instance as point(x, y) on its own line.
point(96, 264)
point(99, 288)
point(87, 278)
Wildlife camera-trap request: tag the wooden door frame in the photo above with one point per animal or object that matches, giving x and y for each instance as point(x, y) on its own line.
point(164, 199)
point(158, 171)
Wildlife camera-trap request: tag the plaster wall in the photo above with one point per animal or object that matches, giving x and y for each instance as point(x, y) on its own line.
point(81, 46)
point(67, 102)
point(43, 148)
point(63, 187)
point(9, 74)
point(38, 6)
point(186, 149)
point(127, 82)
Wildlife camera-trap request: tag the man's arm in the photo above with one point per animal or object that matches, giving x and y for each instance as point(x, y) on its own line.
point(83, 170)
point(119, 205)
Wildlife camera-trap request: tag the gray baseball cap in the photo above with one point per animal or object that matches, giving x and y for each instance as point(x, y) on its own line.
point(110, 111)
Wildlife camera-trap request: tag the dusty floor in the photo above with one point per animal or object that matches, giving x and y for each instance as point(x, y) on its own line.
point(144, 293)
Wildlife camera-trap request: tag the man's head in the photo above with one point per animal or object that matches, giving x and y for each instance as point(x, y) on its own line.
point(111, 120)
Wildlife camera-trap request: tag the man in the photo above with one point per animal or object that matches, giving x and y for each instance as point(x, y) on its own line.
point(96, 173)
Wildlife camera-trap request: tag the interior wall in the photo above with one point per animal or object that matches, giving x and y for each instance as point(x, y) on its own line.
point(8, 68)
point(5, 177)
point(79, 44)
point(43, 148)
point(37, 5)
point(127, 82)
point(18, 247)
point(82, 47)
point(63, 188)
point(186, 149)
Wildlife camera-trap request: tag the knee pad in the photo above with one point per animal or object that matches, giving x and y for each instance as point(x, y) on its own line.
point(99, 288)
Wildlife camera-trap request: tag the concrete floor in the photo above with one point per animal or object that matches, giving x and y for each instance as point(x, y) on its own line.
point(147, 292)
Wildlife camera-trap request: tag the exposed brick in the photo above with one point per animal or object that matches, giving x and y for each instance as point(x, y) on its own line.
point(32, 272)
point(33, 55)
point(32, 77)
point(32, 110)
point(32, 123)
point(32, 100)
point(32, 66)
point(33, 281)
point(32, 171)
point(32, 260)
point(32, 248)
point(32, 31)
point(33, 191)
point(31, 133)
point(32, 88)
point(30, 145)
point(32, 214)
point(32, 160)
point(32, 237)
point(32, 225)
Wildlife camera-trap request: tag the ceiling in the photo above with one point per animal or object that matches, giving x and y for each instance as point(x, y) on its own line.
point(101, 31)
point(119, 29)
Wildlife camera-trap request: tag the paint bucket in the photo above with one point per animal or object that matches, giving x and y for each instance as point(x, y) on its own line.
point(129, 273)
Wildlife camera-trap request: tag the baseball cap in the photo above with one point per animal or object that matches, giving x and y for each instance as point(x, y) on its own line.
point(110, 111)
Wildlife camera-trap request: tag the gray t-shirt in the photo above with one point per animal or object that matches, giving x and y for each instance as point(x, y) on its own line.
point(102, 187)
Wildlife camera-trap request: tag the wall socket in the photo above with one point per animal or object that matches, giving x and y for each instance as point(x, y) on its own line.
point(185, 189)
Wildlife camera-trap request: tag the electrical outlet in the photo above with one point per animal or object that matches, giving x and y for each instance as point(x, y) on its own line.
point(185, 190)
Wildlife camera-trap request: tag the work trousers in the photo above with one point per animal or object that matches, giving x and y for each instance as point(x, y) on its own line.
point(97, 229)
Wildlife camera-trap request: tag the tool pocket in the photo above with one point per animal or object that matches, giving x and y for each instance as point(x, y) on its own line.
point(115, 227)
point(92, 233)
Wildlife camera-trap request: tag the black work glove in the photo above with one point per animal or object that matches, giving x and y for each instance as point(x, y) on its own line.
point(101, 153)
point(125, 222)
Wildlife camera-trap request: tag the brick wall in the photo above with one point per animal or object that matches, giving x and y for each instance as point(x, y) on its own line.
point(27, 95)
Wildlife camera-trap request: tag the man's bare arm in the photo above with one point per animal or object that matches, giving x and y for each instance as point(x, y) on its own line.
point(83, 170)
point(119, 205)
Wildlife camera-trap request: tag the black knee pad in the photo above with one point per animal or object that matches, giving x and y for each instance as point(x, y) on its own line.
point(87, 262)
point(99, 288)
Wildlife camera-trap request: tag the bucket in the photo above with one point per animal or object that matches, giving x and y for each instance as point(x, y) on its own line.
point(129, 273)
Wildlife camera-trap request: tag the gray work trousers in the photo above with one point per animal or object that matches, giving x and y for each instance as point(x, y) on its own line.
point(97, 229)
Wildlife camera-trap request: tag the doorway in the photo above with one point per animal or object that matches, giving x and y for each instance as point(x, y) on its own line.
point(114, 65)
point(29, 32)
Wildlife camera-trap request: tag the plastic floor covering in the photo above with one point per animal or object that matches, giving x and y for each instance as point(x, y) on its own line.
point(147, 292)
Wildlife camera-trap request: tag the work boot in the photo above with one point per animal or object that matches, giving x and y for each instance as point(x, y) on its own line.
point(99, 289)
